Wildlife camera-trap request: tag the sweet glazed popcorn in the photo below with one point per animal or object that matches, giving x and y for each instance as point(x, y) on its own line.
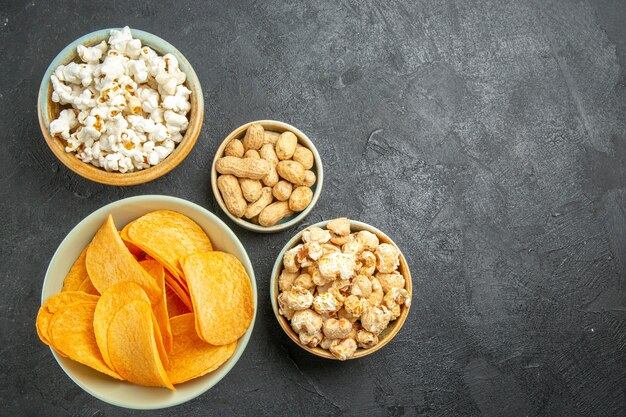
point(340, 290)
point(125, 106)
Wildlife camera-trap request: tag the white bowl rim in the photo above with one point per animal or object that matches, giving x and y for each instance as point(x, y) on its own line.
point(319, 182)
point(219, 373)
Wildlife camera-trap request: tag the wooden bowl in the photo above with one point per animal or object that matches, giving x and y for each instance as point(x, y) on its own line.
point(48, 111)
point(386, 335)
point(275, 126)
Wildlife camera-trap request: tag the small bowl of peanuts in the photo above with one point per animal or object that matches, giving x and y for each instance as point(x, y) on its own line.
point(120, 106)
point(341, 289)
point(267, 176)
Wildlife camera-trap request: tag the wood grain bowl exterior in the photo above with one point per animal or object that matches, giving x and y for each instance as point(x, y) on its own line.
point(384, 338)
point(47, 111)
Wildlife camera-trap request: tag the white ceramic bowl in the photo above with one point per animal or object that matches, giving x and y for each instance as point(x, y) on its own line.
point(125, 394)
point(318, 169)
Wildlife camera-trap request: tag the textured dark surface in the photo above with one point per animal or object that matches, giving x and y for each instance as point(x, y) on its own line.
point(488, 138)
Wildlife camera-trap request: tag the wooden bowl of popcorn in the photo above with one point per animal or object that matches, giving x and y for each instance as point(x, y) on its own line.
point(267, 176)
point(341, 289)
point(120, 106)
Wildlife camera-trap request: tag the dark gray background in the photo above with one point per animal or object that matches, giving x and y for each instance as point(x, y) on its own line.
point(486, 137)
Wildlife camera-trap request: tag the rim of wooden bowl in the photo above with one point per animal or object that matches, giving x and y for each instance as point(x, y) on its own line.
point(303, 139)
point(47, 111)
point(385, 337)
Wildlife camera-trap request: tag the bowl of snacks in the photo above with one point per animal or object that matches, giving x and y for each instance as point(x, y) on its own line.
point(127, 308)
point(267, 176)
point(341, 289)
point(120, 107)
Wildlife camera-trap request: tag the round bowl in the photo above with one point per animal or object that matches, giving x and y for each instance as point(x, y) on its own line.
point(47, 111)
point(386, 335)
point(125, 394)
point(287, 222)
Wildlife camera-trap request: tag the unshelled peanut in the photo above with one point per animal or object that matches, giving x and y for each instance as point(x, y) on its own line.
point(268, 153)
point(274, 213)
point(232, 195)
point(286, 145)
point(252, 153)
point(271, 137)
point(292, 171)
point(234, 148)
point(309, 178)
point(251, 189)
point(304, 156)
point(282, 190)
point(263, 201)
point(300, 198)
point(254, 138)
point(243, 167)
point(271, 178)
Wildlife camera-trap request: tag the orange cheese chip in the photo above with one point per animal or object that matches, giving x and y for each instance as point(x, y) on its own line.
point(71, 333)
point(190, 356)
point(87, 286)
point(181, 292)
point(175, 306)
point(168, 236)
point(160, 308)
point(221, 294)
point(132, 248)
point(53, 305)
point(111, 301)
point(109, 262)
point(77, 279)
point(132, 346)
point(77, 273)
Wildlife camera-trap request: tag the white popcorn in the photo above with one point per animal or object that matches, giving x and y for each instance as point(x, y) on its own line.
point(175, 122)
point(171, 65)
point(118, 101)
point(74, 73)
point(62, 93)
point(91, 55)
point(133, 48)
point(128, 85)
point(155, 65)
point(119, 39)
point(179, 102)
point(138, 70)
point(147, 53)
point(159, 133)
point(62, 126)
point(167, 83)
point(157, 115)
point(128, 104)
point(153, 158)
point(149, 99)
point(141, 124)
point(162, 151)
point(176, 137)
point(111, 68)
